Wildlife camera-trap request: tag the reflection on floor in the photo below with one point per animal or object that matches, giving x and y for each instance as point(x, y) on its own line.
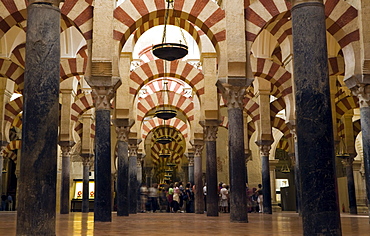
point(287, 223)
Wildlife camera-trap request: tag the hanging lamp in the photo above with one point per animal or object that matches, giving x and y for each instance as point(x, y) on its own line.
point(165, 153)
point(170, 51)
point(165, 138)
point(164, 111)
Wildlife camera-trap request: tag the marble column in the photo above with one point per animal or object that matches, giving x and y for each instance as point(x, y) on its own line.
point(210, 132)
point(199, 197)
point(122, 171)
point(1, 166)
point(65, 185)
point(266, 184)
point(133, 185)
point(87, 160)
point(38, 171)
point(363, 93)
point(139, 166)
point(315, 150)
point(191, 167)
point(247, 155)
point(238, 198)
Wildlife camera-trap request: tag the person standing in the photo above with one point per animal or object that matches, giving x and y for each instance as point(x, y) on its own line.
point(10, 202)
point(260, 198)
point(153, 197)
point(224, 199)
point(205, 196)
point(3, 202)
point(143, 197)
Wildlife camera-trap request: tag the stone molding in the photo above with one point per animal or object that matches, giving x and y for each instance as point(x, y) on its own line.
point(362, 91)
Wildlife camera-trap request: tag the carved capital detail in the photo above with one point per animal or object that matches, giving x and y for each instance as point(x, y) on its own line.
point(66, 151)
point(234, 96)
point(102, 97)
point(348, 161)
point(87, 160)
point(133, 149)
point(362, 91)
point(265, 150)
point(210, 132)
point(198, 150)
point(191, 160)
point(122, 133)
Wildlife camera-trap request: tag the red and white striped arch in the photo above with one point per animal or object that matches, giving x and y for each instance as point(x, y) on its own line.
point(205, 14)
point(176, 69)
point(72, 67)
point(81, 14)
point(341, 19)
point(277, 106)
point(8, 150)
point(176, 150)
point(83, 103)
point(18, 55)
point(152, 124)
point(11, 70)
point(184, 24)
point(176, 99)
point(12, 110)
point(11, 13)
point(79, 129)
point(273, 72)
point(346, 104)
point(280, 124)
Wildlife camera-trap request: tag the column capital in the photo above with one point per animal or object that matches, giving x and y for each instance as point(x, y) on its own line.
point(87, 159)
point(123, 133)
point(133, 147)
point(348, 161)
point(210, 132)
point(198, 148)
point(233, 95)
point(191, 159)
point(52, 2)
point(102, 97)
point(66, 151)
point(265, 149)
point(362, 91)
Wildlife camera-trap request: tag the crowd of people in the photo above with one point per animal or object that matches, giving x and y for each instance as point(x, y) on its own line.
point(173, 197)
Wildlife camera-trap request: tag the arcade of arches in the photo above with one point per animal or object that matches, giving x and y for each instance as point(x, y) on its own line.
point(272, 92)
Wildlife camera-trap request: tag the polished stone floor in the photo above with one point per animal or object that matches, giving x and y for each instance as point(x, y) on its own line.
point(284, 224)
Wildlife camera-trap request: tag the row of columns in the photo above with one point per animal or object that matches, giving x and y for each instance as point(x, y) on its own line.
point(315, 151)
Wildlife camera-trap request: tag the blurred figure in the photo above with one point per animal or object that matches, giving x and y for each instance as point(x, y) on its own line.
point(205, 196)
point(224, 199)
point(143, 197)
point(176, 198)
point(10, 202)
point(3, 202)
point(260, 198)
point(153, 197)
point(189, 199)
point(170, 197)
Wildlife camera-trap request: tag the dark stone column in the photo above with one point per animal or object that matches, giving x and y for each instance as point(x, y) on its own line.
point(134, 188)
point(191, 167)
point(2, 146)
point(237, 171)
point(266, 184)
point(65, 186)
point(122, 170)
point(210, 132)
point(38, 170)
point(348, 162)
point(313, 110)
point(102, 167)
point(199, 198)
point(363, 93)
point(86, 162)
